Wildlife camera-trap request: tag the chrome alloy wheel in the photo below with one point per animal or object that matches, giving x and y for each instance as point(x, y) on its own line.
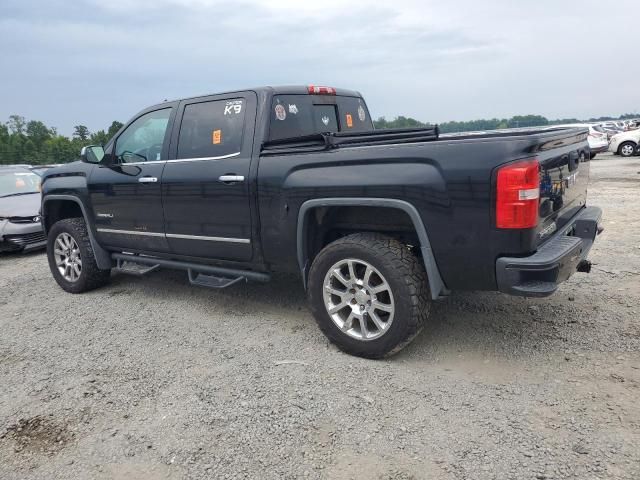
point(627, 150)
point(358, 299)
point(67, 255)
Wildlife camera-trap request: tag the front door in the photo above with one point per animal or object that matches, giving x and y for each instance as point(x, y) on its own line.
point(205, 184)
point(126, 191)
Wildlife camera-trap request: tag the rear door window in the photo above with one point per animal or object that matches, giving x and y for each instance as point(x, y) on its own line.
point(212, 129)
point(301, 115)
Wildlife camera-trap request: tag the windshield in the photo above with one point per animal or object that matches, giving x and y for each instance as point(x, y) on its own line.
point(301, 115)
point(18, 183)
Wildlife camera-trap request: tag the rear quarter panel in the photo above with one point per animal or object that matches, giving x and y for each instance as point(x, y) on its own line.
point(449, 181)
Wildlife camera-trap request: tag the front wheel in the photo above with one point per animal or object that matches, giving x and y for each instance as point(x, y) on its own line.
point(627, 149)
point(368, 294)
point(71, 258)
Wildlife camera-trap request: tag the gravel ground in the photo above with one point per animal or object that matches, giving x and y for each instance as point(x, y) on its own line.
point(151, 378)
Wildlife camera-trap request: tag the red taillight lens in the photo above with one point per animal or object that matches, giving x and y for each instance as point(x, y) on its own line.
point(315, 90)
point(518, 195)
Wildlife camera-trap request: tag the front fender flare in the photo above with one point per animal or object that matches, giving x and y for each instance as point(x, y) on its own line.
point(103, 258)
point(436, 284)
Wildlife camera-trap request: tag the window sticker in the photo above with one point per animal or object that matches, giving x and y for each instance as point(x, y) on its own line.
point(325, 120)
point(281, 113)
point(216, 137)
point(293, 109)
point(361, 113)
point(349, 120)
point(233, 106)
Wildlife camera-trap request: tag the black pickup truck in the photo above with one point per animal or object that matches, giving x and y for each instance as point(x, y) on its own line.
point(235, 186)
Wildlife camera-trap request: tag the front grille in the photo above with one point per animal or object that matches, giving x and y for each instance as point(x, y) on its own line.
point(22, 240)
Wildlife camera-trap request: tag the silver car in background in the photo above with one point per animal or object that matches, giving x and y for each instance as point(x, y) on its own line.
point(20, 227)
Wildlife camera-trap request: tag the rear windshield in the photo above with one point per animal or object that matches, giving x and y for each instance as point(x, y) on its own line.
point(300, 115)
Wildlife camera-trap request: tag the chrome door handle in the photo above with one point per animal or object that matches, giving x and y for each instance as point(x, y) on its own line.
point(231, 178)
point(147, 179)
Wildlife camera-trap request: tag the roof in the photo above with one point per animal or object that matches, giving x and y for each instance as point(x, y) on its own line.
point(266, 90)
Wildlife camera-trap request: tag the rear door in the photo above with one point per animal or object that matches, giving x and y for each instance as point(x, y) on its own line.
point(205, 184)
point(126, 191)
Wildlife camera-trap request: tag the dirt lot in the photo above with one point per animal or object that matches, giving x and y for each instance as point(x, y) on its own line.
point(151, 378)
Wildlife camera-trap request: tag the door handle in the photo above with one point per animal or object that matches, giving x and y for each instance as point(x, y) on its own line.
point(147, 180)
point(231, 178)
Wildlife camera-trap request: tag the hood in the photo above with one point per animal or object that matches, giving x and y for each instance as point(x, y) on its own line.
point(20, 205)
point(631, 135)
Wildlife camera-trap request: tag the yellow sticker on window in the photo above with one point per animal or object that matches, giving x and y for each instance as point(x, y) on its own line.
point(217, 137)
point(349, 120)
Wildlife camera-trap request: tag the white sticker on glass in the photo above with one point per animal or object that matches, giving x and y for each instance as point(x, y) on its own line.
point(281, 113)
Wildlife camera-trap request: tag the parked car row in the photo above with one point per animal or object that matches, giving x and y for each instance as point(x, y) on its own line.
point(619, 137)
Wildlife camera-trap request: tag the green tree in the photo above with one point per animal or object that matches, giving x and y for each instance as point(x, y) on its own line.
point(16, 124)
point(81, 132)
point(113, 129)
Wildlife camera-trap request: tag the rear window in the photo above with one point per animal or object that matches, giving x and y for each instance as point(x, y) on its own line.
point(212, 129)
point(300, 115)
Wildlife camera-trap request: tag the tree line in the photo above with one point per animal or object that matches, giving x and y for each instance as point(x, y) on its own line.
point(32, 142)
point(518, 121)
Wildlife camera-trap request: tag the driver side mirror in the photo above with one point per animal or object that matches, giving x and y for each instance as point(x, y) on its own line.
point(92, 154)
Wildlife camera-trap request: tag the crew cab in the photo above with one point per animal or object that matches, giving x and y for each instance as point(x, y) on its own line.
point(235, 186)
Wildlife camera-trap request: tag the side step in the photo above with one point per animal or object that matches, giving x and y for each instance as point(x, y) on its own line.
point(199, 274)
point(132, 267)
point(212, 281)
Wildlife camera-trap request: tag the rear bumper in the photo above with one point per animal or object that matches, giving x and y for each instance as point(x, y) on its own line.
point(15, 237)
point(539, 275)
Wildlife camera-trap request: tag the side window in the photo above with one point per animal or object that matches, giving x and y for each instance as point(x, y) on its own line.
point(142, 140)
point(212, 129)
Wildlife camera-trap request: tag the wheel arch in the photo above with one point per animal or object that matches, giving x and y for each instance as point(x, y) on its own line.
point(58, 207)
point(436, 284)
point(635, 145)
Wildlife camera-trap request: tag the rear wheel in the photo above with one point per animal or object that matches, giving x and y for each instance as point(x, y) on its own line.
point(627, 149)
point(71, 258)
point(368, 294)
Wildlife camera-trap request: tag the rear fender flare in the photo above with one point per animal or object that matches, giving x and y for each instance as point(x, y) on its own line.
point(436, 284)
point(103, 258)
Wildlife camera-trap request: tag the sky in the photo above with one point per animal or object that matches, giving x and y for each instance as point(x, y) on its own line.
point(91, 62)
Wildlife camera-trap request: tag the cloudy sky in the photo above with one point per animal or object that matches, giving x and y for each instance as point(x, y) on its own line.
point(86, 61)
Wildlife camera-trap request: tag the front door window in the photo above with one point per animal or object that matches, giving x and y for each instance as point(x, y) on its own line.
point(142, 140)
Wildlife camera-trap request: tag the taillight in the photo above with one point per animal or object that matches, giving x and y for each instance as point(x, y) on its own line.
point(518, 195)
point(315, 90)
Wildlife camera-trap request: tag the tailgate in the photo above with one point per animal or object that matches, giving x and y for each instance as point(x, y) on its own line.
point(563, 189)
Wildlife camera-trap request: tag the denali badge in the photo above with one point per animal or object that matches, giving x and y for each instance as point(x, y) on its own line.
point(104, 215)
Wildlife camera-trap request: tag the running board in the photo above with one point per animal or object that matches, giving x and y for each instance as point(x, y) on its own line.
point(211, 281)
point(199, 274)
point(131, 267)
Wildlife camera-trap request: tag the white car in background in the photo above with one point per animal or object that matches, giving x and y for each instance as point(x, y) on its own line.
point(598, 141)
point(625, 143)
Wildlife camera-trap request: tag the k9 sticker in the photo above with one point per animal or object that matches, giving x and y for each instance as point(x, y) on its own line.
point(233, 107)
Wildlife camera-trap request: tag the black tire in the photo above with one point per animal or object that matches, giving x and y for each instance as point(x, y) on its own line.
point(592, 155)
point(623, 144)
point(404, 273)
point(90, 276)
